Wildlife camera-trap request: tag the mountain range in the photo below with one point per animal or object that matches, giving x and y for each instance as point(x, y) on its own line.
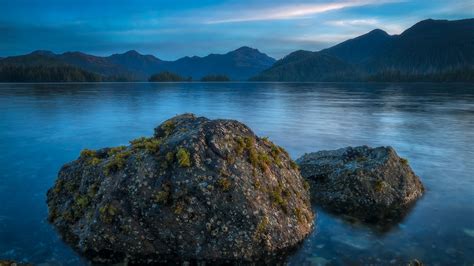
point(240, 64)
point(430, 50)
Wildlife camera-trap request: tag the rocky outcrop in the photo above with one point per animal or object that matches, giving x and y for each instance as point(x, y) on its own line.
point(373, 184)
point(199, 189)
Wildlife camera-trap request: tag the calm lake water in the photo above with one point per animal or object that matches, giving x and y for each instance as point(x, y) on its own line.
point(43, 126)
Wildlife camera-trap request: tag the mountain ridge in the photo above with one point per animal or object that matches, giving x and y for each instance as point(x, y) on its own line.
point(430, 50)
point(239, 64)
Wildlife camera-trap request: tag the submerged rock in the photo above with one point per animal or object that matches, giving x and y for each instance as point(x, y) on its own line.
point(373, 184)
point(199, 189)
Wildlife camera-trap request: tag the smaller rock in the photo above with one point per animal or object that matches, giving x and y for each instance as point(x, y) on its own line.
point(372, 184)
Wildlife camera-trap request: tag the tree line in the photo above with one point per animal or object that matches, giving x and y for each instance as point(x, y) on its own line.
point(67, 73)
point(167, 76)
point(44, 73)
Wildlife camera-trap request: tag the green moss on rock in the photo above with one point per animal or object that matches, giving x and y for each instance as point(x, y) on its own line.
point(183, 157)
point(299, 215)
point(151, 145)
point(163, 196)
point(117, 162)
point(168, 127)
point(90, 156)
point(116, 150)
point(224, 183)
point(404, 161)
point(293, 165)
point(81, 201)
point(108, 212)
point(240, 147)
point(86, 153)
point(379, 185)
point(261, 227)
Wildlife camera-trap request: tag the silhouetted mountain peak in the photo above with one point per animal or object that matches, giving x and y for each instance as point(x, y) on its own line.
point(245, 50)
point(361, 48)
point(373, 35)
point(377, 32)
point(430, 21)
point(76, 53)
point(133, 57)
point(423, 25)
point(132, 53)
point(435, 26)
point(128, 54)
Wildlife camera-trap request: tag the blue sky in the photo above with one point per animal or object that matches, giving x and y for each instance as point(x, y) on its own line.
point(173, 29)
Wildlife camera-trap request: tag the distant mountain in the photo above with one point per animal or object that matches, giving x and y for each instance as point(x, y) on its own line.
point(431, 50)
point(429, 46)
point(361, 49)
point(142, 65)
point(309, 66)
point(33, 59)
point(240, 64)
point(100, 65)
point(167, 77)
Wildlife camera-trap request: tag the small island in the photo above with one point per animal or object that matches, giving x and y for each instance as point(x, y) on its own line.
point(215, 78)
point(167, 76)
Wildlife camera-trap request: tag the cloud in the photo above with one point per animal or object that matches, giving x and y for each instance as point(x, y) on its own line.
point(354, 22)
point(321, 38)
point(367, 24)
point(285, 12)
point(457, 7)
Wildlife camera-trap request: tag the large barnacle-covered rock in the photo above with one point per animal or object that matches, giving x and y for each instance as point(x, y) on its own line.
point(199, 189)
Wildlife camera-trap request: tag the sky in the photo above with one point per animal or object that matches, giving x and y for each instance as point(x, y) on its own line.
point(173, 29)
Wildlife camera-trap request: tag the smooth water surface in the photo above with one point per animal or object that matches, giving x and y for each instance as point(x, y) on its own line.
point(43, 126)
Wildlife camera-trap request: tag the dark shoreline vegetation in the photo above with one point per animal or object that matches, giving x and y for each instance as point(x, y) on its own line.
point(168, 77)
point(429, 51)
point(215, 78)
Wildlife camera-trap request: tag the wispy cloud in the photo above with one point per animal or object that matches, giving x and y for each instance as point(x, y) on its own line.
point(285, 12)
point(320, 38)
point(461, 6)
point(368, 24)
point(354, 22)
